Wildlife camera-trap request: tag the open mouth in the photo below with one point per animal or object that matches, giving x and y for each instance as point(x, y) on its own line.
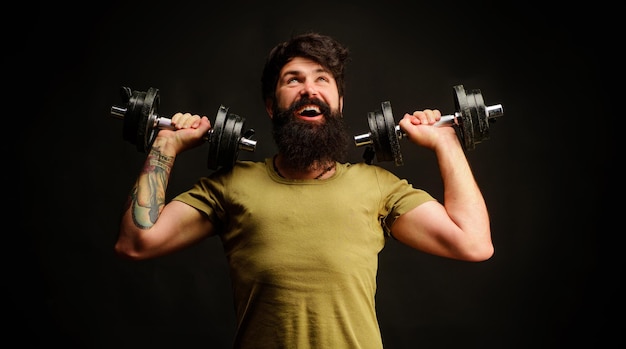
point(309, 111)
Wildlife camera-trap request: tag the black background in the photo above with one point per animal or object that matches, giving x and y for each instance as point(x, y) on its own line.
point(546, 170)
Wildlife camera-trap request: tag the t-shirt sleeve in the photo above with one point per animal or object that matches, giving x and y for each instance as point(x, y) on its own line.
point(204, 196)
point(399, 197)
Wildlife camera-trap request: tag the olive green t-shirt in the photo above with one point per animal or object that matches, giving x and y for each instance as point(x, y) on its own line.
point(303, 254)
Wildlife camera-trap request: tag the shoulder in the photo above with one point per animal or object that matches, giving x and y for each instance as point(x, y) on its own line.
point(363, 169)
point(241, 173)
point(238, 168)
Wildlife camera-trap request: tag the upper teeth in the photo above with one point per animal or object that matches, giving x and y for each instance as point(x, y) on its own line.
point(310, 108)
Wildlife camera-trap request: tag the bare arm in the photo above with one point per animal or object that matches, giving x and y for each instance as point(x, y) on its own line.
point(460, 227)
point(149, 226)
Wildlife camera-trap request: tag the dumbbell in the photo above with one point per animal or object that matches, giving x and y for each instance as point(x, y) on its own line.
point(471, 121)
point(142, 123)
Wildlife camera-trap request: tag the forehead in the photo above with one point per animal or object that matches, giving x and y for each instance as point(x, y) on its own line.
point(299, 65)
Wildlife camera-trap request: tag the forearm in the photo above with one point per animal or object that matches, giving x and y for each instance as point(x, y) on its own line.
point(146, 201)
point(463, 199)
point(147, 198)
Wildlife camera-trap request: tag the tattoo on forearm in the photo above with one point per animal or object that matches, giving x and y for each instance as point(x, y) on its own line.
point(147, 197)
point(156, 159)
point(135, 210)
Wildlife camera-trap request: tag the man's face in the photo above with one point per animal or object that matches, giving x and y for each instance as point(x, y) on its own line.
point(302, 77)
point(307, 123)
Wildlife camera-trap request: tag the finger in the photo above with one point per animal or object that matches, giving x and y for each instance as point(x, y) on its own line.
point(207, 119)
point(418, 117)
point(176, 118)
point(185, 120)
point(428, 116)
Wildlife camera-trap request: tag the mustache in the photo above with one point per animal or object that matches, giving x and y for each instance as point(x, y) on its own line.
point(324, 108)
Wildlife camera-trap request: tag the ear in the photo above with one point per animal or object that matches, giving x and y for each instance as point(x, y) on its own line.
point(341, 104)
point(268, 107)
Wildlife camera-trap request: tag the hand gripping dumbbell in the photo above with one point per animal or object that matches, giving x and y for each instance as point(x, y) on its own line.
point(471, 121)
point(142, 123)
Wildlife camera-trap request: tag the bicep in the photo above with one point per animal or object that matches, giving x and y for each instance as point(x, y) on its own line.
point(428, 228)
point(179, 226)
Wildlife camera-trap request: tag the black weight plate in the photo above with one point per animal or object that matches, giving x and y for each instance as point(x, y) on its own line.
point(214, 139)
point(472, 112)
point(382, 143)
point(142, 122)
point(374, 137)
point(148, 117)
point(392, 135)
point(131, 116)
point(465, 121)
point(237, 134)
point(481, 129)
point(228, 144)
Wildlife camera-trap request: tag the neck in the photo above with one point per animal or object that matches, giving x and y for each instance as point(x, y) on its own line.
point(316, 171)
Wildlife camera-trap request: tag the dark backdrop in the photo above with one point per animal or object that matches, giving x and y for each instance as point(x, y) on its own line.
point(544, 170)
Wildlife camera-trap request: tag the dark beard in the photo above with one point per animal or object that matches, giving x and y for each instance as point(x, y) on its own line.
point(308, 145)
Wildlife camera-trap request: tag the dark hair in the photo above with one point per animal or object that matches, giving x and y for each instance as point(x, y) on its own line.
point(320, 48)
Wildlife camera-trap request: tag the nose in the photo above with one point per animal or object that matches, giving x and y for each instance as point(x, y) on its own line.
point(308, 89)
